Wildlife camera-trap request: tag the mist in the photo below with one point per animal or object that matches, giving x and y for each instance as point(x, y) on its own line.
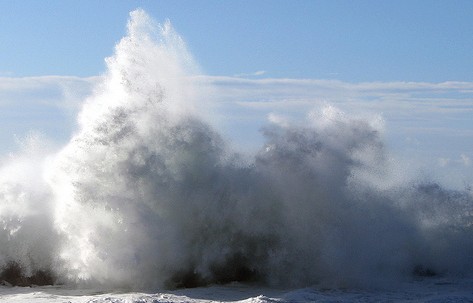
point(149, 193)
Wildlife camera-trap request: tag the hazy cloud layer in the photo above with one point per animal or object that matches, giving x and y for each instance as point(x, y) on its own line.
point(414, 112)
point(421, 118)
point(45, 104)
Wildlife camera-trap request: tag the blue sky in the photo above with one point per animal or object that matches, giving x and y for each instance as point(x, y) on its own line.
point(408, 61)
point(352, 41)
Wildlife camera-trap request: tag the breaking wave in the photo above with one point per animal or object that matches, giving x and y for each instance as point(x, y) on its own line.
point(148, 194)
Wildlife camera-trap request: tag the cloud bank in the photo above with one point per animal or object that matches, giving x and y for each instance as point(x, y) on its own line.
point(422, 119)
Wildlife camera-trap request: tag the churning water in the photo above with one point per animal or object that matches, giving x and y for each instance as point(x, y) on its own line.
point(147, 193)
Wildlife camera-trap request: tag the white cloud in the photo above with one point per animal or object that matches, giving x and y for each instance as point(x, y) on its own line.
point(423, 121)
point(47, 90)
point(257, 73)
point(43, 104)
point(435, 115)
point(397, 101)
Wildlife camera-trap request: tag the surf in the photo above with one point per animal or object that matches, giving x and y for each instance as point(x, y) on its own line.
point(149, 193)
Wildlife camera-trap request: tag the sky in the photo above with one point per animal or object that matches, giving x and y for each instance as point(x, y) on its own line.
point(409, 61)
point(353, 41)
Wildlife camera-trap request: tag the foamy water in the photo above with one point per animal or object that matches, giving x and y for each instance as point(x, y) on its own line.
point(149, 194)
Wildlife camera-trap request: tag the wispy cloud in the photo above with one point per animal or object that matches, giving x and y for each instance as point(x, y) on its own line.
point(422, 119)
point(423, 112)
point(397, 101)
point(255, 74)
point(46, 90)
point(45, 104)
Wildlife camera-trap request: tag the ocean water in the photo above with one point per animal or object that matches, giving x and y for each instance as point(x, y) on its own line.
point(433, 290)
point(148, 194)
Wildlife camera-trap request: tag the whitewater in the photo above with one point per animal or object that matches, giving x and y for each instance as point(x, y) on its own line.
point(149, 199)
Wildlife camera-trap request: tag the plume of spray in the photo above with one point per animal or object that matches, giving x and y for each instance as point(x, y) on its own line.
point(149, 194)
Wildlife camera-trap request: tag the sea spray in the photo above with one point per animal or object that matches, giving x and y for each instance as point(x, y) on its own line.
point(143, 190)
point(149, 194)
point(28, 240)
